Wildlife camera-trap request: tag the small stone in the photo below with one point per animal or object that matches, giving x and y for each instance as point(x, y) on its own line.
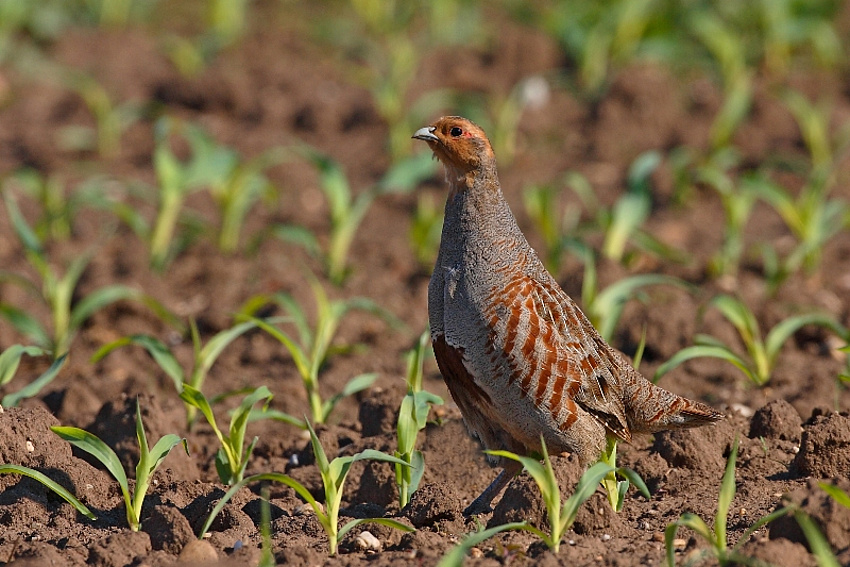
point(679, 543)
point(658, 536)
point(606, 537)
point(367, 542)
point(198, 551)
point(30, 446)
point(476, 553)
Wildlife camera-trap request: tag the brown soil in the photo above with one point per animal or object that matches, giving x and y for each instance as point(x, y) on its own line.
point(278, 85)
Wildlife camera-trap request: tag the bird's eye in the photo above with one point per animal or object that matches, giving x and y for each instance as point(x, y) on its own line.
point(456, 132)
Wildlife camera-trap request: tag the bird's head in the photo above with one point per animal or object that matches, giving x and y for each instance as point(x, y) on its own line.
point(458, 143)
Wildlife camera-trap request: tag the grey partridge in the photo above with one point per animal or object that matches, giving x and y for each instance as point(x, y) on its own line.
point(518, 356)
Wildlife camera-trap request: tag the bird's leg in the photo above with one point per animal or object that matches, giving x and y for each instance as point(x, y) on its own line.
point(481, 505)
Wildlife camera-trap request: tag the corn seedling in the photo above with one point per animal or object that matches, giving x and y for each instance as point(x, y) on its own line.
point(58, 489)
point(632, 209)
point(232, 457)
point(176, 180)
point(425, 229)
point(716, 537)
point(333, 475)
point(616, 489)
point(812, 216)
point(227, 20)
point(390, 51)
point(10, 359)
point(738, 201)
point(118, 13)
point(600, 36)
point(266, 554)
point(310, 346)
point(58, 208)
point(790, 27)
point(149, 461)
point(235, 185)
point(604, 307)
point(560, 517)
point(500, 113)
point(204, 356)
point(111, 119)
point(456, 556)
point(57, 292)
point(346, 210)
point(555, 224)
point(836, 493)
point(729, 51)
point(621, 224)
point(412, 418)
point(762, 353)
point(818, 544)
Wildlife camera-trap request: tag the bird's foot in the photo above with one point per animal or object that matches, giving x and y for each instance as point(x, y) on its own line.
point(478, 506)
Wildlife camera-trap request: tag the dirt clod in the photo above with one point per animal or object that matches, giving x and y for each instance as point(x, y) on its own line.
point(825, 447)
point(433, 503)
point(776, 420)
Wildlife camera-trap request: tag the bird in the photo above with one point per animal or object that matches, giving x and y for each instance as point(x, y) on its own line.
point(519, 358)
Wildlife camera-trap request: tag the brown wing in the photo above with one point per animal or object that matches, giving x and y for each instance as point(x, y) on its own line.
point(556, 354)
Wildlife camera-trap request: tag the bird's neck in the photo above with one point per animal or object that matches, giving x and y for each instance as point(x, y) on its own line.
point(477, 215)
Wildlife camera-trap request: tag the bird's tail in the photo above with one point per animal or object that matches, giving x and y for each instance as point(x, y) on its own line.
point(650, 408)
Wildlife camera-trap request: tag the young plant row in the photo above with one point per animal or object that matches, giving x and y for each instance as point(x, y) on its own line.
point(334, 472)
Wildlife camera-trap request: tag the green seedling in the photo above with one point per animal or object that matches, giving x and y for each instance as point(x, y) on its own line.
point(227, 20)
point(425, 230)
point(333, 475)
point(560, 517)
point(632, 209)
point(555, 224)
point(836, 493)
point(203, 357)
point(266, 555)
point(500, 113)
point(761, 357)
point(817, 542)
point(621, 223)
point(412, 418)
point(738, 201)
point(389, 45)
point(812, 216)
point(236, 185)
point(10, 359)
point(605, 307)
point(727, 48)
point(717, 537)
point(175, 180)
point(232, 457)
point(57, 292)
point(843, 378)
point(149, 461)
point(346, 210)
point(789, 26)
point(310, 346)
point(616, 489)
point(118, 13)
point(55, 487)
point(456, 556)
point(600, 37)
point(58, 207)
point(111, 120)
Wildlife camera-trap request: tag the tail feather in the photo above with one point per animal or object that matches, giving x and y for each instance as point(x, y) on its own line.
point(651, 409)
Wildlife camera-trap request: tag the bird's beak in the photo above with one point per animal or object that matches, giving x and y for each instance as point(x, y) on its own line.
point(427, 134)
